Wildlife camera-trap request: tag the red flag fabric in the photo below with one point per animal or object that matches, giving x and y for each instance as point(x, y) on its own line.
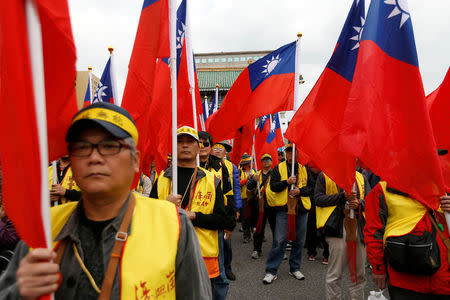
point(151, 43)
point(316, 125)
point(19, 145)
point(266, 86)
point(242, 142)
point(386, 123)
point(438, 104)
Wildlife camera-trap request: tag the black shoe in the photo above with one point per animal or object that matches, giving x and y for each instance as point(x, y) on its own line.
point(230, 276)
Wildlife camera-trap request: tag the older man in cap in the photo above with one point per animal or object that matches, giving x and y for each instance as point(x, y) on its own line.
point(289, 195)
point(200, 194)
point(113, 244)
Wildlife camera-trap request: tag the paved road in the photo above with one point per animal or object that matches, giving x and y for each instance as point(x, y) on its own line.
point(250, 272)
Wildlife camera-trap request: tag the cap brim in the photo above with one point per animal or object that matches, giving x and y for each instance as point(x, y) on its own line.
point(81, 124)
point(189, 134)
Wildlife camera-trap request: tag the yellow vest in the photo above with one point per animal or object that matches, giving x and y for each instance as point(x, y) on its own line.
point(140, 186)
point(244, 175)
point(280, 199)
point(153, 243)
point(323, 213)
point(68, 182)
point(219, 174)
point(230, 168)
point(403, 213)
point(203, 201)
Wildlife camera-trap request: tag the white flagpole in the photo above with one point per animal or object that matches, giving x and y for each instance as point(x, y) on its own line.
point(216, 100)
point(113, 78)
point(90, 84)
point(296, 93)
point(207, 108)
point(37, 70)
point(173, 76)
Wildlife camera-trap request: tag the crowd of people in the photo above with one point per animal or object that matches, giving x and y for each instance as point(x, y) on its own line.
point(111, 242)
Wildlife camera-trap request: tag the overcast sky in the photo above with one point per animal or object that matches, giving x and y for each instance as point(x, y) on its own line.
point(239, 25)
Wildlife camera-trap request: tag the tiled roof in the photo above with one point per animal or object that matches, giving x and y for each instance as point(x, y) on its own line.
point(207, 80)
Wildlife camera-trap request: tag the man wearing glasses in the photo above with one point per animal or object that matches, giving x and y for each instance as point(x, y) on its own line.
point(113, 243)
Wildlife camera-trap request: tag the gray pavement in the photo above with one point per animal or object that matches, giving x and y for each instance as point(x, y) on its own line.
point(250, 272)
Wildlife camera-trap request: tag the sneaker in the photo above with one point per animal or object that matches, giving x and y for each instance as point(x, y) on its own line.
point(230, 275)
point(297, 275)
point(324, 261)
point(247, 240)
point(312, 258)
point(256, 254)
point(285, 256)
point(241, 229)
point(269, 278)
point(288, 246)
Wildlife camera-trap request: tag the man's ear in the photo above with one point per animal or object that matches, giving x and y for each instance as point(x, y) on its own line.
point(136, 161)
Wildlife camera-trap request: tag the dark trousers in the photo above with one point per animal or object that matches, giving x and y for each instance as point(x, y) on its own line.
point(269, 215)
point(314, 238)
point(250, 216)
point(227, 255)
point(397, 293)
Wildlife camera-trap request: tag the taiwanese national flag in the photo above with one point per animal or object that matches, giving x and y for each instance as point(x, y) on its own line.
point(104, 91)
point(268, 139)
point(386, 123)
point(151, 43)
point(186, 76)
point(215, 103)
point(266, 86)
point(32, 98)
point(438, 105)
point(242, 142)
point(316, 125)
point(88, 96)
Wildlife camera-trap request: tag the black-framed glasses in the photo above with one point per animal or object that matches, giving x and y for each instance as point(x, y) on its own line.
point(105, 148)
point(205, 144)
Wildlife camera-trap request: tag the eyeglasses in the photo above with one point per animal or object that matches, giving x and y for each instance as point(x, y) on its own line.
point(205, 144)
point(105, 148)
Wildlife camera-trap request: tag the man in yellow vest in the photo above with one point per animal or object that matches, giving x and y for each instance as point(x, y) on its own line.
point(332, 207)
point(113, 244)
point(258, 184)
point(199, 193)
point(65, 189)
point(248, 207)
point(291, 205)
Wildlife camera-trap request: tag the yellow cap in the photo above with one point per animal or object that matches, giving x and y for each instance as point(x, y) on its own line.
point(189, 131)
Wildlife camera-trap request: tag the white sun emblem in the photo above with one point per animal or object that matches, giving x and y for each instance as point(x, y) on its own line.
point(358, 36)
point(99, 93)
point(401, 7)
point(271, 64)
point(180, 36)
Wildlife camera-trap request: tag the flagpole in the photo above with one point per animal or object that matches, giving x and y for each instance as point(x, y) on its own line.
point(113, 78)
point(173, 76)
point(296, 92)
point(55, 178)
point(90, 84)
point(216, 101)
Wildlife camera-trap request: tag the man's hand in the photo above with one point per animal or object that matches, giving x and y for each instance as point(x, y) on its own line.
point(255, 177)
point(2, 212)
point(175, 199)
point(37, 276)
point(191, 215)
point(294, 192)
point(353, 204)
point(238, 214)
point(445, 203)
point(57, 190)
point(226, 235)
point(350, 197)
point(380, 280)
point(291, 180)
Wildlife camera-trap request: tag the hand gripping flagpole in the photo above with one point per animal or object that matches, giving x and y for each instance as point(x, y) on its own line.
point(37, 70)
point(173, 77)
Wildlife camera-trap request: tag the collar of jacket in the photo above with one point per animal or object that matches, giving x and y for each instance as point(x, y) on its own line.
point(395, 191)
point(200, 173)
point(71, 226)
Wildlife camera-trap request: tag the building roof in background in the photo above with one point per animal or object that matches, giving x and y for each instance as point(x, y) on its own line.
point(207, 80)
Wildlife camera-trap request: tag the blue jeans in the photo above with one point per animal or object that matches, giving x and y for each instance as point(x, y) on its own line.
point(221, 283)
point(279, 243)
